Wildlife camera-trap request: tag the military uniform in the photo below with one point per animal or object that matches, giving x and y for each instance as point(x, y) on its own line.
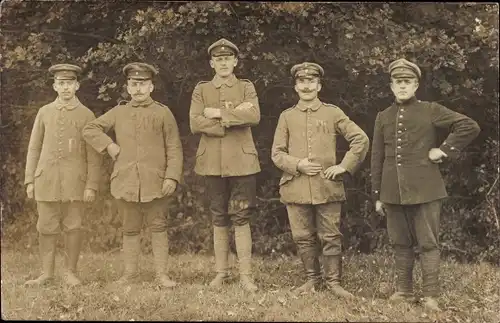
point(408, 182)
point(228, 159)
point(61, 166)
point(150, 153)
point(314, 202)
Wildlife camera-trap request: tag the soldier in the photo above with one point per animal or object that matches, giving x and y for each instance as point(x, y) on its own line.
point(147, 167)
point(311, 186)
point(223, 110)
point(406, 181)
point(61, 172)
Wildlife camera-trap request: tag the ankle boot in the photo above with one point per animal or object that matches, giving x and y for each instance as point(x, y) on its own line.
point(159, 241)
point(131, 252)
point(243, 241)
point(429, 260)
point(333, 274)
point(404, 260)
point(221, 251)
point(73, 244)
point(47, 248)
point(310, 262)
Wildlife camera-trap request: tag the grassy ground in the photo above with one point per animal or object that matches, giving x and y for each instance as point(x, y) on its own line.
point(470, 292)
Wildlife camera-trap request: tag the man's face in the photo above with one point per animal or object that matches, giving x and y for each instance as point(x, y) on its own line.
point(307, 88)
point(140, 90)
point(223, 65)
point(66, 89)
point(404, 88)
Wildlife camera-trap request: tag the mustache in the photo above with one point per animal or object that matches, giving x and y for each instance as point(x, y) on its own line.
point(307, 90)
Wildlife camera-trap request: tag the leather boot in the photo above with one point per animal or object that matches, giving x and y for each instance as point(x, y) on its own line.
point(429, 260)
point(333, 274)
point(221, 251)
point(47, 247)
point(159, 241)
point(310, 261)
point(131, 251)
point(73, 244)
point(404, 260)
point(243, 241)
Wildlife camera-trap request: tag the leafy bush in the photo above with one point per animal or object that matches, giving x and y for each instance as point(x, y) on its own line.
point(456, 46)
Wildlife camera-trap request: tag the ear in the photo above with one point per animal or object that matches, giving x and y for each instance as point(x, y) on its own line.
point(212, 64)
point(77, 86)
point(319, 87)
point(235, 61)
point(151, 87)
point(54, 86)
point(417, 84)
point(296, 87)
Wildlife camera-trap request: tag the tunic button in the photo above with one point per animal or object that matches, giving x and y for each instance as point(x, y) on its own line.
point(399, 131)
point(399, 147)
point(401, 116)
point(399, 139)
point(399, 156)
point(452, 148)
point(400, 124)
point(402, 110)
point(399, 164)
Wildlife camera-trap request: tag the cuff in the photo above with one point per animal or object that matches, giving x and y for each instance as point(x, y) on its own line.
point(449, 150)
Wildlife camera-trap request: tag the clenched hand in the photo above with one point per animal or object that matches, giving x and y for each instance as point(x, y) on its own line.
point(332, 171)
point(88, 195)
point(307, 167)
point(436, 155)
point(211, 113)
point(30, 191)
point(169, 186)
point(113, 150)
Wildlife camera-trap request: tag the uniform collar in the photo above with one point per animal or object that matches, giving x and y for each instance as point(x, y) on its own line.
point(218, 81)
point(143, 104)
point(410, 101)
point(313, 105)
point(67, 105)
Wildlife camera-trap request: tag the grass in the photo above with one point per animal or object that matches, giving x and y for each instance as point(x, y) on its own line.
point(469, 292)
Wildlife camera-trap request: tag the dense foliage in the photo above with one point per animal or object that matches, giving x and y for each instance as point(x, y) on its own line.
point(456, 46)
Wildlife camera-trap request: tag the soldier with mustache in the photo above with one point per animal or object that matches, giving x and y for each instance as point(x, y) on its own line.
point(311, 186)
point(406, 181)
point(147, 167)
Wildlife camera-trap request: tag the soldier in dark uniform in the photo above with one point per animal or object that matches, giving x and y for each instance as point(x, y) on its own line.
point(148, 166)
point(406, 181)
point(304, 147)
point(223, 111)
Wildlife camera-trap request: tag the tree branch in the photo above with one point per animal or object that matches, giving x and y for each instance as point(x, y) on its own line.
point(87, 35)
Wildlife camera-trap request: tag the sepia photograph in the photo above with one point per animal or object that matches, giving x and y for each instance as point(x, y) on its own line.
point(249, 161)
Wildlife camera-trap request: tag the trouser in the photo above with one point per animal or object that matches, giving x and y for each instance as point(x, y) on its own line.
point(312, 222)
point(415, 225)
point(155, 213)
point(232, 199)
point(57, 217)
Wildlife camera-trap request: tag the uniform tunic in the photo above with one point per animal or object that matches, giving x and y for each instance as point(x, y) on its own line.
point(59, 163)
point(304, 132)
point(226, 145)
point(151, 150)
point(401, 170)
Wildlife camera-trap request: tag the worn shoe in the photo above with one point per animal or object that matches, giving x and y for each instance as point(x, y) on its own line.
point(308, 287)
point(398, 297)
point(430, 304)
point(247, 283)
point(165, 281)
point(71, 279)
point(219, 280)
point(44, 279)
point(338, 290)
